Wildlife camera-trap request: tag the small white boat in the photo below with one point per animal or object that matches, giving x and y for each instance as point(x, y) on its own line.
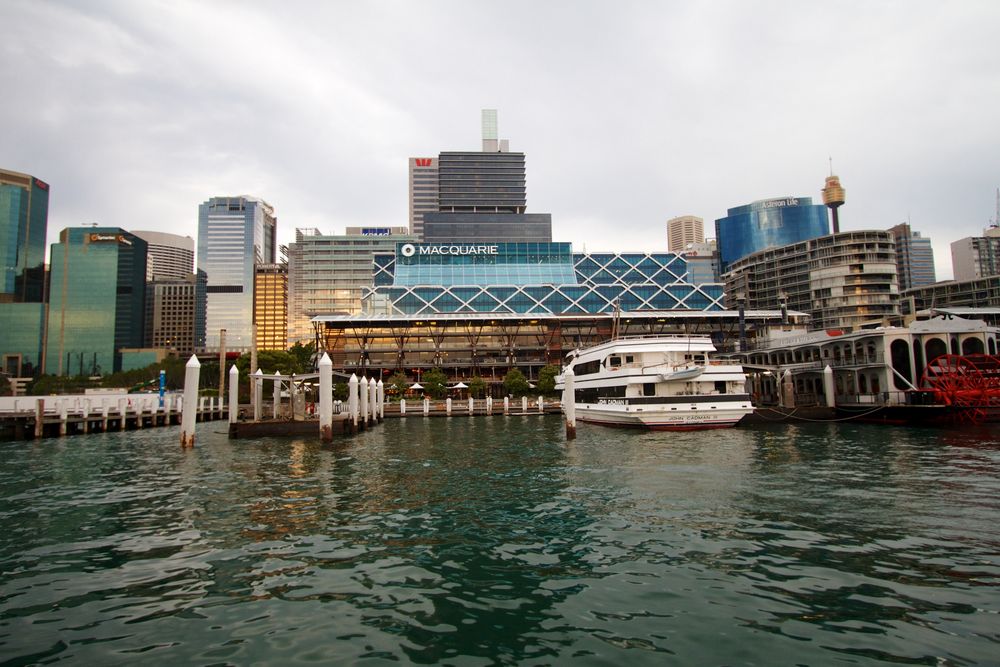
point(657, 382)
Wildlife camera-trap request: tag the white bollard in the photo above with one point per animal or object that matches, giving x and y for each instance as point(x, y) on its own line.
point(372, 401)
point(63, 417)
point(352, 401)
point(402, 407)
point(234, 394)
point(506, 405)
point(569, 403)
point(829, 388)
point(191, 372)
point(489, 405)
point(472, 406)
point(326, 398)
point(427, 407)
point(258, 390)
point(39, 417)
point(276, 395)
point(104, 418)
point(86, 416)
point(363, 395)
point(447, 406)
point(524, 405)
point(541, 405)
point(380, 394)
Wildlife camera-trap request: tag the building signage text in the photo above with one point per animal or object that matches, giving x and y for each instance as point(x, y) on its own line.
point(774, 203)
point(409, 250)
point(109, 238)
point(376, 231)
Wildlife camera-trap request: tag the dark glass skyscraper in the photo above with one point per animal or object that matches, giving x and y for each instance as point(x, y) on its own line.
point(24, 214)
point(476, 182)
point(96, 300)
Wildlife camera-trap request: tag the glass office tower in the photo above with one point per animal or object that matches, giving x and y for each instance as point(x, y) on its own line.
point(24, 210)
point(234, 235)
point(97, 300)
point(768, 223)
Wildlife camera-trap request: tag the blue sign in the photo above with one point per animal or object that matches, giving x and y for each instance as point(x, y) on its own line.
point(376, 231)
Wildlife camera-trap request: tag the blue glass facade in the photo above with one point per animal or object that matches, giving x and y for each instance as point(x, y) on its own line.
point(768, 223)
point(582, 283)
point(24, 213)
point(96, 300)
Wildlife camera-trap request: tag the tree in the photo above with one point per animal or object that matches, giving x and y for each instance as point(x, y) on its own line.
point(269, 361)
point(477, 386)
point(515, 383)
point(547, 379)
point(434, 382)
point(398, 383)
point(303, 354)
point(340, 391)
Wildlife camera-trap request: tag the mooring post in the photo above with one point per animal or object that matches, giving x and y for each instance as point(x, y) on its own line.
point(276, 397)
point(506, 405)
point(258, 390)
point(325, 398)
point(104, 418)
point(234, 393)
point(524, 404)
point(472, 406)
point(39, 417)
point(787, 390)
point(381, 401)
point(447, 406)
point(489, 405)
point(86, 416)
point(541, 405)
point(363, 398)
point(373, 401)
point(190, 406)
point(427, 407)
point(352, 401)
point(63, 417)
point(402, 407)
point(829, 388)
point(569, 403)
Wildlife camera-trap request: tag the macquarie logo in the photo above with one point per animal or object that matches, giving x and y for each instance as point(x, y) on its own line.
point(407, 250)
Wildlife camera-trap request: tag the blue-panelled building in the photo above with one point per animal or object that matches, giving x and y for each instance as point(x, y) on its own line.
point(766, 224)
point(541, 278)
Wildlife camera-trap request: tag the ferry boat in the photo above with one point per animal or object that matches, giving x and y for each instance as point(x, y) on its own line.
point(657, 382)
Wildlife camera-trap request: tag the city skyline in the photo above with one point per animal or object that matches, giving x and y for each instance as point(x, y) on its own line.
point(628, 115)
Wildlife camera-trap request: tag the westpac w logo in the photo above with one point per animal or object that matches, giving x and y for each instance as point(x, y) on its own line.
point(422, 161)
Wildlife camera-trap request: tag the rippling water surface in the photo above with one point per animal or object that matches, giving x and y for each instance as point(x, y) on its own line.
point(491, 541)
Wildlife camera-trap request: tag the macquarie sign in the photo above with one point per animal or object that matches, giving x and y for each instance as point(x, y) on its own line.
point(410, 249)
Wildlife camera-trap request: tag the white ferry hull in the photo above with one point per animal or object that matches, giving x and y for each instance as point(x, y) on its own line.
point(667, 418)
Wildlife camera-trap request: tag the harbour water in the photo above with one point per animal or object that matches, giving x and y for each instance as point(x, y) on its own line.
point(492, 541)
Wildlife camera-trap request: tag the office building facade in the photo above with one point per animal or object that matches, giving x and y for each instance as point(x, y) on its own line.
point(96, 300)
point(683, 231)
point(234, 235)
point(328, 274)
point(844, 281)
point(171, 256)
point(914, 258)
point(768, 223)
point(175, 313)
point(270, 306)
point(483, 227)
point(423, 192)
point(976, 256)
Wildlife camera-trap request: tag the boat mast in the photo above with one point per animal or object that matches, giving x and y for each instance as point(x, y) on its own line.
point(616, 319)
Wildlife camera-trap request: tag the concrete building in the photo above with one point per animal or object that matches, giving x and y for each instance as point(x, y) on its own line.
point(703, 263)
point(270, 306)
point(683, 231)
point(97, 300)
point(914, 258)
point(844, 281)
point(175, 313)
point(234, 235)
point(423, 192)
point(768, 223)
point(976, 256)
point(328, 274)
point(976, 293)
point(492, 227)
point(171, 256)
point(24, 206)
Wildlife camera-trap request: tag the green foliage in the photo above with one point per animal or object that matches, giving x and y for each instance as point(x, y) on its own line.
point(515, 383)
point(269, 361)
point(547, 379)
point(303, 354)
point(477, 387)
point(435, 383)
point(340, 391)
point(398, 384)
point(139, 379)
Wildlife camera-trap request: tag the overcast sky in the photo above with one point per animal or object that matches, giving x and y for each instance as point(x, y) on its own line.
point(629, 113)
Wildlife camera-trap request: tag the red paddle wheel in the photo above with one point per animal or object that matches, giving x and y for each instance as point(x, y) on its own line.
point(969, 382)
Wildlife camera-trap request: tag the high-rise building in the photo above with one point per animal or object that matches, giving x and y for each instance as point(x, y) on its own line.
point(914, 258)
point(703, 263)
point(768, 223)
point(423, 192)
point(97, 300)
point(24, 209)
point(977, 256)
point(171, 256)
point(475, 182)
point(234, 235)
point(270, 306)
point(24, 215)
point(175, 313)
point(684, 230)
point(842, 280)
point(328, 274)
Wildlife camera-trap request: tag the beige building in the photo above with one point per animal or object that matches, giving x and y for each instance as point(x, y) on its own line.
point(684, 230)
point(270, 306)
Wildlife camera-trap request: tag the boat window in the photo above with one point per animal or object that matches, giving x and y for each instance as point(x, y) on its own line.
point(649, 389)
point(614, 362)
point(587, 368)
point(720, 387)
point(629, 359)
